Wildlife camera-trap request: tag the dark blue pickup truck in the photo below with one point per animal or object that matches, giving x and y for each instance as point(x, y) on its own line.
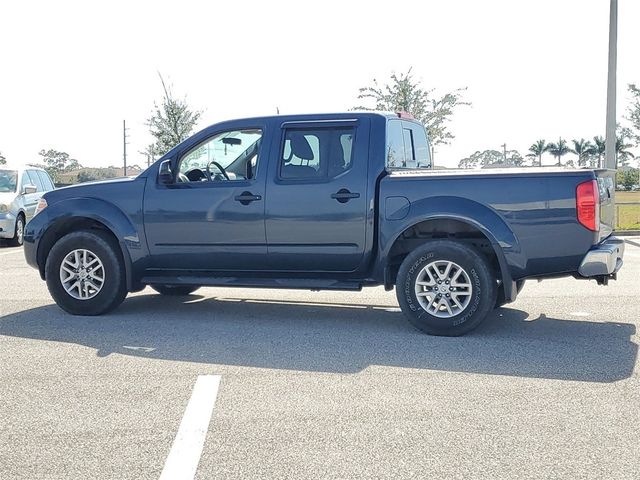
point(317, 202)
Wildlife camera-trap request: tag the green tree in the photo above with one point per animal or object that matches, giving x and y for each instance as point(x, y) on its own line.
point(537, 149)
point(599, 148)
point(171, 123)
point(514, 159)
point(469, 162)
point(402, 94)
point(90, 174)
point(633, 111)
point(626, 179)
point(583, 149)
point(559, 150)
point(3, 160)
point(492, 159)
point(149, 153)
point(56, 162)
point(622, 151)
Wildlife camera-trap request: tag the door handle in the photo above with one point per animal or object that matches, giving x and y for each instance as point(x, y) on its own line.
point(246, 198)
point(343, 195)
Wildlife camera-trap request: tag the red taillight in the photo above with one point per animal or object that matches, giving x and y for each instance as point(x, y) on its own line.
point(588, 204)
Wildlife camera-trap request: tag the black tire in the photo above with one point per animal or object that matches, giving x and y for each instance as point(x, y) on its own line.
point(481, 277)
point(500, 302)
point(18, 234)
point(105, 247)
point(175, 290)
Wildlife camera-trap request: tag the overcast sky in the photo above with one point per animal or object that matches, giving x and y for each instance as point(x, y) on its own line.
point(70, 72)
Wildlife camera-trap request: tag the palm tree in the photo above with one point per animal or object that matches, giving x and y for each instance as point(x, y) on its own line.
point(537, 149)
point(622, 151)
point(583, 148)
point(599, 148)
point(559, 150)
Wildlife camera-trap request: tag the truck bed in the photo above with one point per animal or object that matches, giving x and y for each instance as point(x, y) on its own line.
point(535, 206)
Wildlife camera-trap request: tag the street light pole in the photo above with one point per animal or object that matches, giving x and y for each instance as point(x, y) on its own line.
point(610, 142)
point(124, 146)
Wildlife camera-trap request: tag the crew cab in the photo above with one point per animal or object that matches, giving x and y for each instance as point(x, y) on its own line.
point(321, 202)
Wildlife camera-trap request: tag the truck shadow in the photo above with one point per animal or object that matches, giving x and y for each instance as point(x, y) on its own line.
point(337, 338)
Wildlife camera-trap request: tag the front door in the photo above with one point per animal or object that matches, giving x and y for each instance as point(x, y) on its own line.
point(30, 200)
point(317, 201)
point(211, 218)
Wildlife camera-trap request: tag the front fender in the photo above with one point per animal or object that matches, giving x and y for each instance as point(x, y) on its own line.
point(489, 222)
point(45, 227)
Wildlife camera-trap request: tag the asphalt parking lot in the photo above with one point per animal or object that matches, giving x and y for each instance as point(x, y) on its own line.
point(322, 385)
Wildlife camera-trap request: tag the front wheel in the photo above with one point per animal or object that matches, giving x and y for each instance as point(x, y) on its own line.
point(445, 288)
point(175, 290)
point(85, 273)
point(18, 237)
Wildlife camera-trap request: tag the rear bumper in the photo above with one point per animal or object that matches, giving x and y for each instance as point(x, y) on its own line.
point(603, 259)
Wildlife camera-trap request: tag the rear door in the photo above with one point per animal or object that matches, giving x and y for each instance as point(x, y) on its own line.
point(31, 199)
point(46, 180)
point(316, 201)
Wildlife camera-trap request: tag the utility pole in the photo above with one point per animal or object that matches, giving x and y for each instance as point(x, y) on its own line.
point(504, 152)
point(124, 145)
point(610, 141)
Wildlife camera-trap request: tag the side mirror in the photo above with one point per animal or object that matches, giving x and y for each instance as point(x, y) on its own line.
point(27, 189)
point(165, 175)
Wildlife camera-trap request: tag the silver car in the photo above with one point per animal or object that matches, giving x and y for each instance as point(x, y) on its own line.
point(20, 191)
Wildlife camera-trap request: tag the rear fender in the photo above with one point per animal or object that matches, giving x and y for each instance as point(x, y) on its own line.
point(503, 241)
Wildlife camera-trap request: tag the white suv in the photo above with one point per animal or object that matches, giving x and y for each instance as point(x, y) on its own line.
point(20, 191)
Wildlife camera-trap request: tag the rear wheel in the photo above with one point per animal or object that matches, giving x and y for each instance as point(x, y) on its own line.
point(85, 273)
point(175, 290)
point(445, 288)
point(18, 237)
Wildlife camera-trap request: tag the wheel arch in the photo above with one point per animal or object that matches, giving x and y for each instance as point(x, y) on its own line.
point(462, 220)
point(65, 217)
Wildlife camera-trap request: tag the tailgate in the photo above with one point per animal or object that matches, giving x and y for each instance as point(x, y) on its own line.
point(607, 191)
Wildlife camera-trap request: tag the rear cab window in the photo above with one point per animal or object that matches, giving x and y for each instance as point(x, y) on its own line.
point(407, 146)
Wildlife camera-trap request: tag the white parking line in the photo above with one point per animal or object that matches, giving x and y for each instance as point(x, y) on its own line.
point(184, 456)
point(9, 252)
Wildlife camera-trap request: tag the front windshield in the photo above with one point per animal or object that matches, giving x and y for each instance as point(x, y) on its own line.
point(224, 149)
point(8, 181)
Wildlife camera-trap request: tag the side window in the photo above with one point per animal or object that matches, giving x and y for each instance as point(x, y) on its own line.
point(25, 180)
point(409, 154)
point(302, 149)
point(421, 152)
point(407, 146)
point(320, 153)
point(35, 180)
point(231, 155)
point(46, 181)
point(395, 145)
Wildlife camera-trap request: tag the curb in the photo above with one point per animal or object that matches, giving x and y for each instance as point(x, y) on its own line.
point(627, 233)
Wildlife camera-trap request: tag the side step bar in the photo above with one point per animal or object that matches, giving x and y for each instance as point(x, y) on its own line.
point(295, 283)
